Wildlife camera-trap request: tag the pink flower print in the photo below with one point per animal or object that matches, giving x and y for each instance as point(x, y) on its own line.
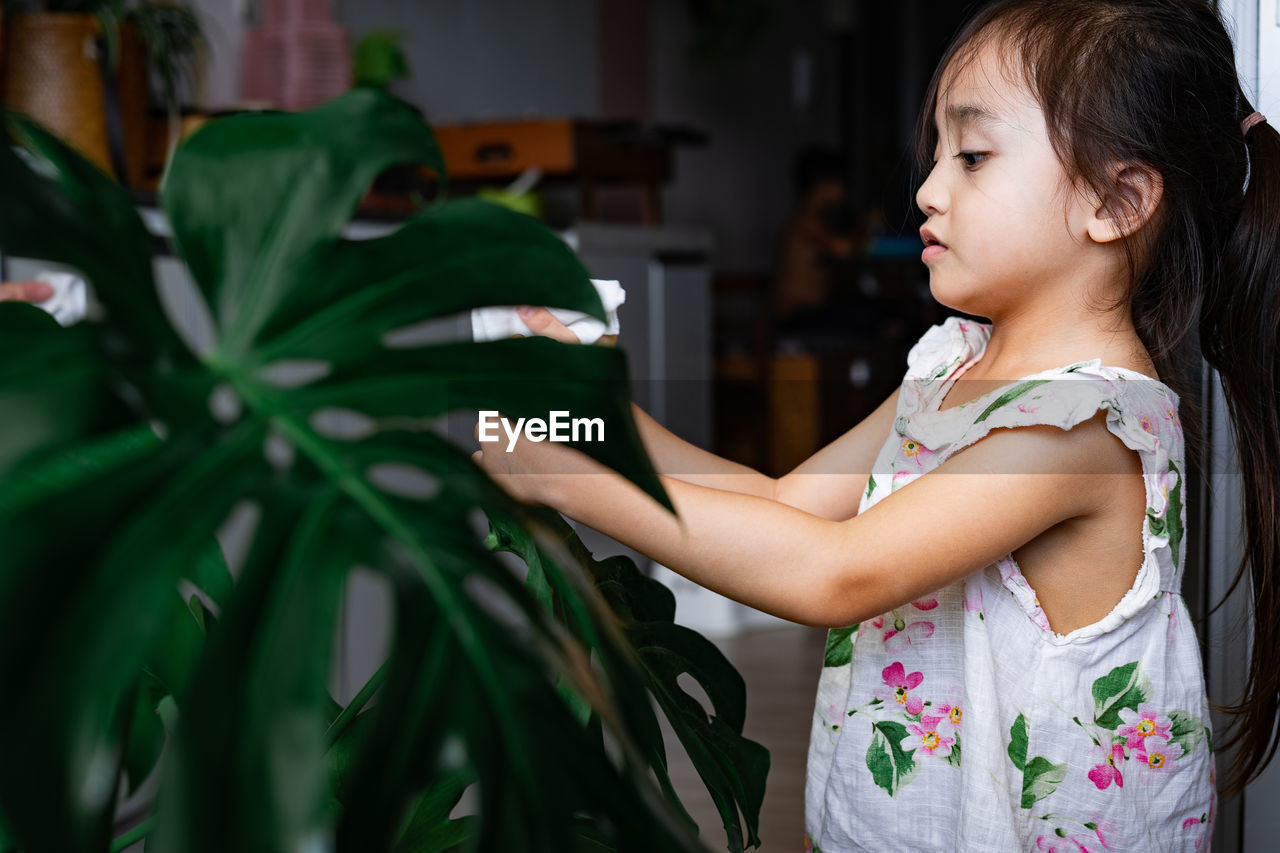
point(973, 598)
point(1147, 425)
point(1143, 724)
point(1108, 768)
point(1173, 418)
point(897, 640)
point(1173, 617)
point(925, 603)
point(900, 683)
point(1168, 480)
point(1057, 844)
point(1028, 410)
point(1103, 828)
point(911, 447)
point(1201, 822)
point(1156, 754)
point(932, 734)
point(952, 713)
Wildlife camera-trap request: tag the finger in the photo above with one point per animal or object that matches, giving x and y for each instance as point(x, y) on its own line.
point(26, 291)
point(541, 322)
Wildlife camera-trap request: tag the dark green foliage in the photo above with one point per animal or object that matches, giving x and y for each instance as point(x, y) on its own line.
point(120, 626)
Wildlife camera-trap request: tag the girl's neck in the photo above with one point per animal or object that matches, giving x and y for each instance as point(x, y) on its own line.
point(1040, 338)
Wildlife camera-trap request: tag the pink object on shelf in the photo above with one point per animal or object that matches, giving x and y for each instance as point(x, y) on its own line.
point(299, 57)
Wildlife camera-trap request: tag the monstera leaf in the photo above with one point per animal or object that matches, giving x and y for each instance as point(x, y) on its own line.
point(732, 767)
point(310, 415)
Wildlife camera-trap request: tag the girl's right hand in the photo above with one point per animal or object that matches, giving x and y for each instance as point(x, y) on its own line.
point(541, 322)
point(25, 291)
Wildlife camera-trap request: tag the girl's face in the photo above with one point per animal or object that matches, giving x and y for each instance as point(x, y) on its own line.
point(1005, 229)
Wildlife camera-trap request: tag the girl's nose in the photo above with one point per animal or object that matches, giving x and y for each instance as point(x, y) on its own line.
point(931, 197)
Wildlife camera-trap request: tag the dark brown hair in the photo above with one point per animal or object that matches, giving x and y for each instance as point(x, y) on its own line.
point(1154, 83)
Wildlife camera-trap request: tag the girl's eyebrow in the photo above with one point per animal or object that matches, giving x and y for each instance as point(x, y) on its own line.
point(960, 115)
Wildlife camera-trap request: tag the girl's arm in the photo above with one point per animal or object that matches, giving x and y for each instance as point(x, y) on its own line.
point(829, 484)
point(983, 503)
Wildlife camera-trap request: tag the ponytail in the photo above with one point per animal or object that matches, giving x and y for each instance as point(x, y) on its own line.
point(1240, 338)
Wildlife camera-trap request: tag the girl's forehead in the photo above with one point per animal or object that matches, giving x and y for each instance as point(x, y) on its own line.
point(985, 84)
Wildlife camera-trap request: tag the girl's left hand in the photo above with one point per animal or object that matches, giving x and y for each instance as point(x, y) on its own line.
point(532, 470)
point(543, 323)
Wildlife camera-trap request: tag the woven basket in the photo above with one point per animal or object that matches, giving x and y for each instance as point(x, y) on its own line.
point(49, 69)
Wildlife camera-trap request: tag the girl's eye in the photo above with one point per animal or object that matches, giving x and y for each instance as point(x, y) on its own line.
point(972, 158)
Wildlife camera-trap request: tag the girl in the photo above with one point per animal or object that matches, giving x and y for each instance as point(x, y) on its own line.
point(1012, 666)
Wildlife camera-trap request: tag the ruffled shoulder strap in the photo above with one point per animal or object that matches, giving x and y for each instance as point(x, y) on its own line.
point(945, 347)
point(1140, 411)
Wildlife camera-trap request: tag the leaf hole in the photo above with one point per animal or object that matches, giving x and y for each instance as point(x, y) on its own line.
point(343, 424)
point(694, 689)
point(235, 534)
point(278, 451)
point(494, 601)
point(294, 372)
point(184, 305)
point(224, 404)
point(433, 331)
point(364, 629)
point(404, 480)
point(468, 803)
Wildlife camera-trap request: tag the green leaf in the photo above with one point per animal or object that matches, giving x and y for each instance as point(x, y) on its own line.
point(378, 59)
point(250, 199)
point(1008, 397)
point(1123, 687)
point(130, 453)
point(1173, 515)
point(71, 213)
point(890, 765)
point(953, 757)
point(1186, 731)
point(839, 646)
point(1155, 522)
point(1040, 778)
point(1018, 742)
point(732, 767)
point(429, 828)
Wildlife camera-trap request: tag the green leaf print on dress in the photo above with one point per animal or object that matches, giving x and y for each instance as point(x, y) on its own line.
point(1123, 687)
point(891, 766)
point(1040, 776)
point(839, 646)
point(1131, 728)
point(908, 731)
point(1169, 522)
point(1009, 396)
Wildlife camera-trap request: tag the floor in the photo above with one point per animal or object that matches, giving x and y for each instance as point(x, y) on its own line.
point(780, 667)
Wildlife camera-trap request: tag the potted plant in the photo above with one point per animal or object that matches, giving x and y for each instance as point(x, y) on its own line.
point(122, 631)
point(81, 68)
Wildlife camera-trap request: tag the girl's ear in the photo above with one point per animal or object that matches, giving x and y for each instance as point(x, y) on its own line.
point(1136, 190)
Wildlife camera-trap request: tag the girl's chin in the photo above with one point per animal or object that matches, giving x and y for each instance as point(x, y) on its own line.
point(967, 300)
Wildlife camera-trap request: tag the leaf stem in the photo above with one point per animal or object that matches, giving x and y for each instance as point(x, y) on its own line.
point(357, 703)
point(133, 835)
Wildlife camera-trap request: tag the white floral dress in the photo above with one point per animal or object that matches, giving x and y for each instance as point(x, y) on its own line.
point(962, 721)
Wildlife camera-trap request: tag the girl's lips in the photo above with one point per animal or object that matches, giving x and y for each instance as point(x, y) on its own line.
point(932, 251)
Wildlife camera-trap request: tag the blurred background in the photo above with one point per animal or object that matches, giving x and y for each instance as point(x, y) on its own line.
point(743, 167)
